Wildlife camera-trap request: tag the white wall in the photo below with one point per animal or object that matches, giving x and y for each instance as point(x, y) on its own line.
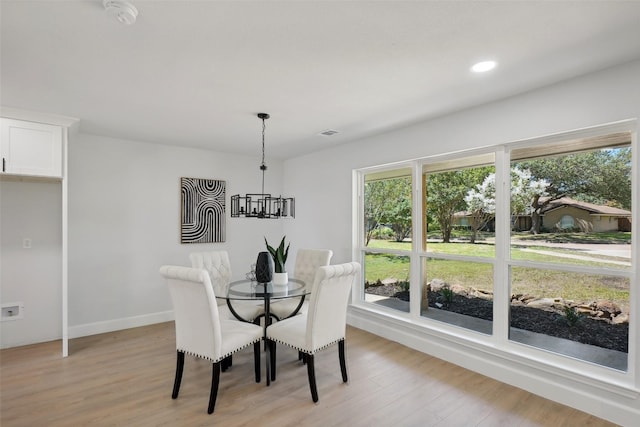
point(322, 183)
point(124, 223)
point(31, 210)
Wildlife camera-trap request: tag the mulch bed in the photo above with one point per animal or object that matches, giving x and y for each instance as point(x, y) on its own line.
point(587, 330)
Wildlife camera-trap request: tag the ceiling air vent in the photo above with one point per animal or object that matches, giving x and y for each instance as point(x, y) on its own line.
point(329, 132)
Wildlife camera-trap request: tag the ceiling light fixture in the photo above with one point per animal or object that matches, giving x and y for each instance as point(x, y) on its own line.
point(484, 66)
point(123, 11)
point(262, 205)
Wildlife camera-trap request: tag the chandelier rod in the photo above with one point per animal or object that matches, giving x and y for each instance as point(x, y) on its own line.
point(263, 166)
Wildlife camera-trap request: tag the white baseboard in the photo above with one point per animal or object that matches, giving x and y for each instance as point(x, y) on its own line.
point(617, 403)
point(119, 324)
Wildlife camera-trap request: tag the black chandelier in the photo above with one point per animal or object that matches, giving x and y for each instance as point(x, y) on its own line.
point(262, 205)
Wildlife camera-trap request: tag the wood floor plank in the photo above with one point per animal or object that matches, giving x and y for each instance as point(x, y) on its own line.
point(125, 378)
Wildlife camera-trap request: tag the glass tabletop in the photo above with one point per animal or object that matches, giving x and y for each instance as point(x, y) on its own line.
point(252, 290)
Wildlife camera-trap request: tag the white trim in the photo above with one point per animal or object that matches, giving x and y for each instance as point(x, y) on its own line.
point(415, 283)
point(119, 324)
point(38, 117)
point(65, 243)
point(634, 298)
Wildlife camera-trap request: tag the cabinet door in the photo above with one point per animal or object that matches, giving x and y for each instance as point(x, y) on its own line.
point(30, 148)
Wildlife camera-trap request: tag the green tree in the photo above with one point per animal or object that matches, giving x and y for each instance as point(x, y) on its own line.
point(527, 194)
point(398, 217)
point(481, 203)
point(388, 201)
point(446, 192)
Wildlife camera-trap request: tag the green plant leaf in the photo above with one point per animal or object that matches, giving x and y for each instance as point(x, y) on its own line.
point(279, 255)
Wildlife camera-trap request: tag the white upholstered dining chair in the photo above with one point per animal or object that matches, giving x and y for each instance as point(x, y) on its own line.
point(199, 330)
point(218, 266)
point(323, 325)
point(307, 263)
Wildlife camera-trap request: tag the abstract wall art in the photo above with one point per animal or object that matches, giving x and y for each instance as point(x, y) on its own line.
point(203, 210)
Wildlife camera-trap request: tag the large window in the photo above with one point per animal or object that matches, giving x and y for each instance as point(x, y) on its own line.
point(528, 244)
point(571, 247)
point(387, 238)
point(459, 241)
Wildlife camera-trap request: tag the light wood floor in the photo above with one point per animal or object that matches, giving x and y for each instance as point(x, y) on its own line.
point(125, 378)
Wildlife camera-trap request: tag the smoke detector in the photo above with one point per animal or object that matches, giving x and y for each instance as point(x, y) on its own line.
point(123, 11)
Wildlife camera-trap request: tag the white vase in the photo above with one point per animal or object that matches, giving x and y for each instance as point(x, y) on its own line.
point(280, 279)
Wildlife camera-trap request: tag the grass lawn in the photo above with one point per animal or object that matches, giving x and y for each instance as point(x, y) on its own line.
point(537, 282)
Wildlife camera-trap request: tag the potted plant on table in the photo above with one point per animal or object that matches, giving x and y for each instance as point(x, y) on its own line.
point(279, 256)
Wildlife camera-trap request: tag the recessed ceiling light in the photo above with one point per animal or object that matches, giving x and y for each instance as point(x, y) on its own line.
point(484, 66)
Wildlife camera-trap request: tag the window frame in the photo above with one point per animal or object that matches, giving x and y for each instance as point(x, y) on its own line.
point(502, 262)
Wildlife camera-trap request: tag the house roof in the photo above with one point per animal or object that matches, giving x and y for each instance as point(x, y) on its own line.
point(593, 209)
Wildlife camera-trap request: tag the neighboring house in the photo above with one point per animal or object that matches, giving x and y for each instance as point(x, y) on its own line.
point(463, 220)
point(564, 214)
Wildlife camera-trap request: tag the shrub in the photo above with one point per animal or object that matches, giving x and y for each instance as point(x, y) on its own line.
point(382, 233)
point(572, 316)
point(447, 294)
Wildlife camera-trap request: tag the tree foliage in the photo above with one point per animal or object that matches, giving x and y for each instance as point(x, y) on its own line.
point(388, 201)
point(481, 204)
point(600, 177)
point(446, 192)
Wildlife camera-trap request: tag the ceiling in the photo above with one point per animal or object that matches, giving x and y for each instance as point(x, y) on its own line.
point(196, 73)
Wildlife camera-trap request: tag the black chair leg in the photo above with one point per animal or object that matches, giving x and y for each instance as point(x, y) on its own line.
point(226, 363)
point(178, 379)
point(256, 360)
point(300, 357)
point(343, 361)
point(312, 377)
point(215, 380)
point(272, 349)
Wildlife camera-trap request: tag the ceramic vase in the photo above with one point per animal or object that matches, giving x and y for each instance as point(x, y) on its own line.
point(280, 279)
point(264, 268)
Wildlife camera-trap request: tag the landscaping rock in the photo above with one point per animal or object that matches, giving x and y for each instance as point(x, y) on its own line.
point(545, 303)
point(620, 319)
point(437, 284)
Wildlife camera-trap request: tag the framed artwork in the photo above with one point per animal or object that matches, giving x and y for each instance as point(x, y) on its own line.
point(203, 210)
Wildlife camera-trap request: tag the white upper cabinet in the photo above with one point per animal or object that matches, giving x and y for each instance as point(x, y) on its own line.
point(29, 148)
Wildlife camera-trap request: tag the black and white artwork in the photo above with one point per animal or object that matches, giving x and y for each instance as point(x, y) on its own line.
point(203, 213)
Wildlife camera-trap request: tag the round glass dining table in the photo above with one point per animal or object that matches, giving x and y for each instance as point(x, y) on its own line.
point(248, 290)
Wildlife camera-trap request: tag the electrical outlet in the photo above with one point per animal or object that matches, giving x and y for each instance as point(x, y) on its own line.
point(12, 311)
point(26, 243)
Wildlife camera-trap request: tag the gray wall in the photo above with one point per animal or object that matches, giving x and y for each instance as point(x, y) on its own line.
point(33, 276)
point(124, 223)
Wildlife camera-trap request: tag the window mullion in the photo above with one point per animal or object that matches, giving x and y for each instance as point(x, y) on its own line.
point(416, 237)
point(501, 293)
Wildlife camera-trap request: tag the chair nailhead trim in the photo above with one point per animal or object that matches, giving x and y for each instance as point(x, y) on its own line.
point(221, 357)
point(305, 350)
